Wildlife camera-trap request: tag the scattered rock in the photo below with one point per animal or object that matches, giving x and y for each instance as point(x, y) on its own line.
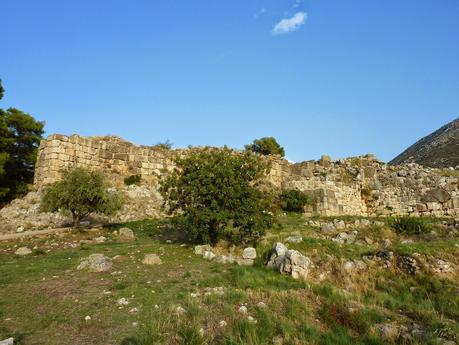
point(222, 323)
point(294, 239)
point(200, 250)
point(96, 263)
point(87, 318)
point(243, 309)
point(386, 243)
point(20, 229)
point(292, 262)
point(262, 305)
point(327, 228)
point(224, 259)
point(100, 239)
point(390, 331)
point(407, 264)
point(126, 234)
point(122, 301)
point(244, 262)
point(9, 341)
point(151, 259)
point(249, 253)
point(180, 310)
point(22, 251)
point(208, 255)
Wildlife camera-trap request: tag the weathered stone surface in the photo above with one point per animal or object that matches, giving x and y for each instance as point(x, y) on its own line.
point(151, 259)
point(294, 239)
point(126, 234)
point(437, 195)
point(22, 251)
point(249, 253)
point(9, 341)
point(289, 262)
point(96, 263)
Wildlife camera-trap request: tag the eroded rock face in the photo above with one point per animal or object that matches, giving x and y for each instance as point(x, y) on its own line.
point(290, 262)
point(96, 263)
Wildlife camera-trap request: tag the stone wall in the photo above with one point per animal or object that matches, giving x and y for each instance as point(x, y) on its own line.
point(355, 186)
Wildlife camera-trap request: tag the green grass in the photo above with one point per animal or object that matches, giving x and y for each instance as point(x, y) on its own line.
point(44, 299)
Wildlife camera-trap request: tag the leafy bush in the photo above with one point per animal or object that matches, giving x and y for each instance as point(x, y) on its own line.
point(133, 179)
point(80, 193)
point(409, 225)
point(165, 145)
point(216, 194)
point(293, 200)
point(266, 146)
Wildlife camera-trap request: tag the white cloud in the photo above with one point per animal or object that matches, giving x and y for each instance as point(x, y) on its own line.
point(290, 24)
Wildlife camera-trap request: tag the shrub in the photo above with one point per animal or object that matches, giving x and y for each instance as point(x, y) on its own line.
point(266, 146)
point(133, 179)
point(409, 225)
point(80, 193)
point(216, 194)
point(165, 145)
point(293, 200)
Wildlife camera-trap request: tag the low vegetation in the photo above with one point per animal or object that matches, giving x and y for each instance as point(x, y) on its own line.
point(133, 179)
point(80, 193)
point(292, 200)
point(409, 225)
point(189, 300)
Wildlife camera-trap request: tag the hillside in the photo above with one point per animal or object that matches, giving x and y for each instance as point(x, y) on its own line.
point(438, 150)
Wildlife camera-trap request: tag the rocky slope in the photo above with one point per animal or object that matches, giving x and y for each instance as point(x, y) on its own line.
point(438, 150)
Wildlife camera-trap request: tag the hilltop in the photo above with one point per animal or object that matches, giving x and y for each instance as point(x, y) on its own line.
point(439, 149)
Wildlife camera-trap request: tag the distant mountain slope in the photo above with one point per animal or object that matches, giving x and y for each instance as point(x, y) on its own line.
point(438, 150)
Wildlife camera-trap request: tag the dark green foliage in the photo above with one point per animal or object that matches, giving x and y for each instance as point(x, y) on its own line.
point(2, 90)
point(266, 146)
point(133, 179)
point(20, 135)
point(216, 193)
point(409, 225)
point(293, 200)
point(81, 192)
point(165, 145)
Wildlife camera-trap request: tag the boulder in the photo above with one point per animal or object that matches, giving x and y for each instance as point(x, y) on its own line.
point(407, 264)
point(327, 228)
point(199, 250)
point(126, 234)
point(22, 251)
point(249, 253)
point(9, 341)
point(290, 262)
point(437, 195)
point(151, 259)
point(96, 263)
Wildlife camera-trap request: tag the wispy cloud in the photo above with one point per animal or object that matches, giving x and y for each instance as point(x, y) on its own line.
point(287, 25)
point(259, 13)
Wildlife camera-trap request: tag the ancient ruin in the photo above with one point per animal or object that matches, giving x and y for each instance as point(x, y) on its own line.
point(355, 186)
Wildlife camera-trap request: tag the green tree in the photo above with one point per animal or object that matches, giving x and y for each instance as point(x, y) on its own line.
point(80, 193)
point(293, 200)
point(20, 136)
point(2, 90)
point(217, 196)
point(266, 146)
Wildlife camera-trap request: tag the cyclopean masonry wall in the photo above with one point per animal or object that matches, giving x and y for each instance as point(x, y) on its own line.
point(354, 186)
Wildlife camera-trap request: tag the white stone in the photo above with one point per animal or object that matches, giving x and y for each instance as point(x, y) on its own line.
point(249, 253)
point(22, 251)
point(151, 259)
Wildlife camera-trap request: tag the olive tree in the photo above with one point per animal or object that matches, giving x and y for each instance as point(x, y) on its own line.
point(80, 193)
point(215, 194)
point(266, 146)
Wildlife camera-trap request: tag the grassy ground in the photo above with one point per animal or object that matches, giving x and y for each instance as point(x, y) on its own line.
point(187, 300)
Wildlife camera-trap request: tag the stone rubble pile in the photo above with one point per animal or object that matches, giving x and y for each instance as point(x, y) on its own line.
point(290, 262)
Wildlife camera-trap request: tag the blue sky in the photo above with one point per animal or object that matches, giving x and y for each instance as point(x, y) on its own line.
point(322, 76)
